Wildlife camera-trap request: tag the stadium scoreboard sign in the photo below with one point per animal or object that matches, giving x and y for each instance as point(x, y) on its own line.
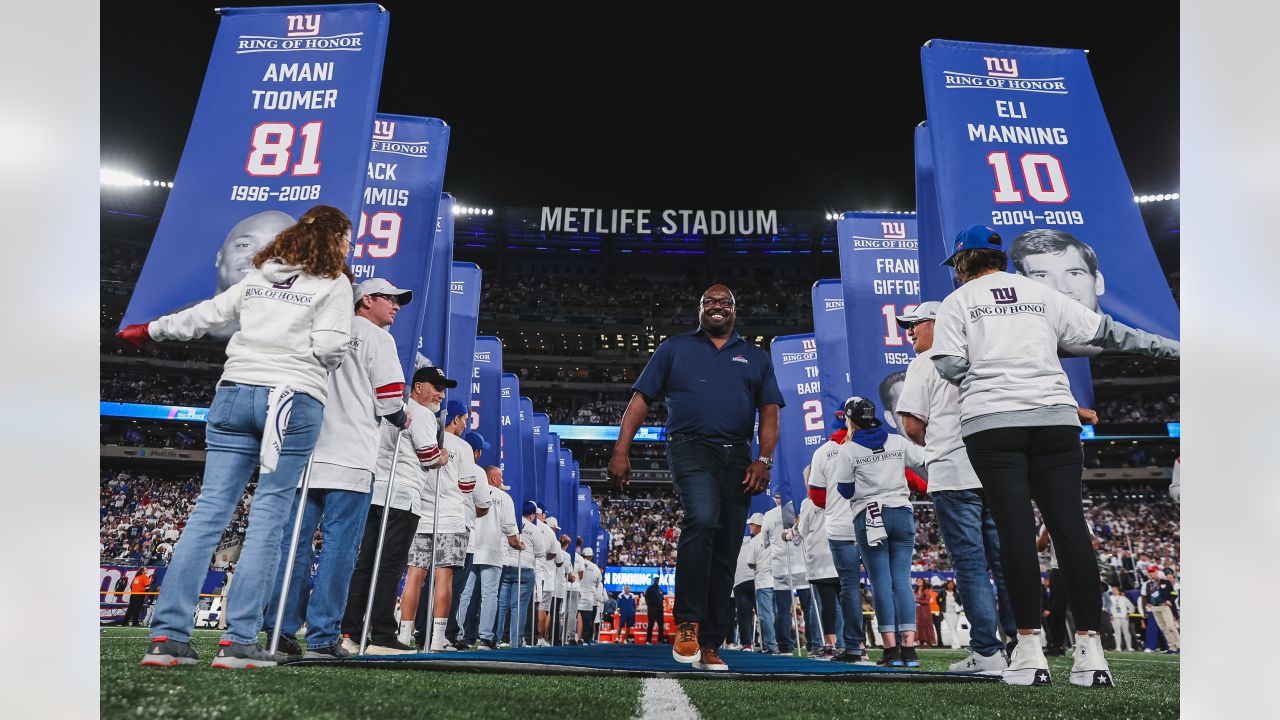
point(638, 577)
point(632, 221)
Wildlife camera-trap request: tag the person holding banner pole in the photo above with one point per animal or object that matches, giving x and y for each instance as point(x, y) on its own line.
point(715, 384)
point(517, 579)
point(744, 586)
point(399, 479)
point(547, 569)
point(929, 412)
point(365, 390)
point(266, 412)
point(872, 478)
point(837, 521)
point(822, 576)
point(997, 339)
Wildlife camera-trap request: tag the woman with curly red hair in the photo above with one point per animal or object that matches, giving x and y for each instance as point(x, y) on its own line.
point(294, 310)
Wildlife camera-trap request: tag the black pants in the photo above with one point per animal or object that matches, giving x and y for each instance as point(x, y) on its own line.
point(744, 598)
point(657, 621)
point(1017, 465)
point(828, 592)
point(401, 525)
point(588, 624)
point(1056, 624)
point(133, 615)
point(708, 480)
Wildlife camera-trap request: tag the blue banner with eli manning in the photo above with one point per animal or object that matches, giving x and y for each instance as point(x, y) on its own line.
point(1021, 144)
point(803, 424)
point(833, 348)
point(394, 232)
point(528, 459)
point(282, 125)
point(486, 395)
point(880, 273)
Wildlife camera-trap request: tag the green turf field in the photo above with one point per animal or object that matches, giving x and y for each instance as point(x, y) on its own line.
point(1146, 687)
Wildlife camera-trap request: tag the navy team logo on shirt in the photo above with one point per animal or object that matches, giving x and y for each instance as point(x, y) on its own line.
point(286, 284)
point(1004, 296)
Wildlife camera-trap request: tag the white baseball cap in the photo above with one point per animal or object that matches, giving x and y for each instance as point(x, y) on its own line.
point(923, 311)
point(587, 552)
point(757, 519)
point(380, 286)
point(553, 522)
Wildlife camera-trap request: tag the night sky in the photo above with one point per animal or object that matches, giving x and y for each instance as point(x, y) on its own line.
point(630, 106)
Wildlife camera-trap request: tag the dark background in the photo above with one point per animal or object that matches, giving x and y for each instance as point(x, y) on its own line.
point(630, 106)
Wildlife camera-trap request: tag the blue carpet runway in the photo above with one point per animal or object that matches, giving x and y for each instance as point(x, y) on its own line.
point(645, 661)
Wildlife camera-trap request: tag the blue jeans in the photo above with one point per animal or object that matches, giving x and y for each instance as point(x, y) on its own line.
point(970, 534)
point(519, 607)
point(782, 619)
point(764, 611)
point(340, 514)
point(811, 621)
point(847, 558)
point(487, 578)
point(707, 478)
point(889, 565)
point(234, 438)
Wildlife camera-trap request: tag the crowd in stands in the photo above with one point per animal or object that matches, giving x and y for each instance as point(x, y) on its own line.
point(1137, 407)
point(580, 411)
point(595, 374)
point(1130, 455)
point(141, 515)
point(158, 389)
point(636, 295)
point(644, 525)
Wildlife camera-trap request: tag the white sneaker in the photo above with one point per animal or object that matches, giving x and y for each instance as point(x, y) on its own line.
point(1090, 668)
point(542, 642)
point(351, 646)
point(1028, 666)
point(977, 664)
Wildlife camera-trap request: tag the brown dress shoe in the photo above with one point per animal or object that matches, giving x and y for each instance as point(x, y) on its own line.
point(710, 660)
point(686, 648)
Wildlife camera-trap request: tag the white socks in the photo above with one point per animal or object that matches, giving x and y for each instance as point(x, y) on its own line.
point(406, 632)
point(438, 626)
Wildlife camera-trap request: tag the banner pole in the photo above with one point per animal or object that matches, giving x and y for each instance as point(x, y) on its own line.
point(435, 537)
point(288, 565)
point(382, 536)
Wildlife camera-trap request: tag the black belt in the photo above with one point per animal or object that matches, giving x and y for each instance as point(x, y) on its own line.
point(681, 437)
point(228, 383)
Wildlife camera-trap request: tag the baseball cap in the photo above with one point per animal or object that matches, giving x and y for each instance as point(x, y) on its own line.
point(453, 410)
point(756, 519)
point(837, 422)
point(553, 522)
point(975, 237)
point(475, 440)
point(380, 286)
point(1153, 568)
point(433, 375)
point(923, 311)
point(530, 507)
point(587, 552)
point(777, 492)
point(861, 411)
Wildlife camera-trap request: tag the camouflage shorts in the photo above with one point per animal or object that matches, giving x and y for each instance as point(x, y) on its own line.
point(451, 550)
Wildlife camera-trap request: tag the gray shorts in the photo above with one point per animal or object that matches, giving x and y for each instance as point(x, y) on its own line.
point(546, 600)
point(451, 550)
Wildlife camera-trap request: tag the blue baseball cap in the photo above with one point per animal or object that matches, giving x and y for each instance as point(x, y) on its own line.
point(453, 410)
point(837, 422)
point(476, 440)
point(975, 237)
point(530, 507)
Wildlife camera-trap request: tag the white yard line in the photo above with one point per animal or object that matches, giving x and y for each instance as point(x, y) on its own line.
point(663, 699)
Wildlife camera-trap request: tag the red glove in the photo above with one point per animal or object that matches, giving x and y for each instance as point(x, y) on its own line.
point(135, 335)
point(915, 482)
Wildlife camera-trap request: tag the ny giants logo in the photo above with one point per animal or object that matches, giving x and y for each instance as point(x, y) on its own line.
point(894, 230)
point(1004, 296)
point(1002, 67)
point(383, 130)
point(303, 25)
point(809, 345)
point(287, 284)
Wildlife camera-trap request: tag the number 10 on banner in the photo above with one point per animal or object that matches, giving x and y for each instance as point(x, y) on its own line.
point(893, 334)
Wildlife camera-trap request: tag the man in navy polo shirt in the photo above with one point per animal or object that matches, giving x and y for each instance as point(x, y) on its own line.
point(713, 382)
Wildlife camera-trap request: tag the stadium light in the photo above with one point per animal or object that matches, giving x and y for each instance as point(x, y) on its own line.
point(119, 178)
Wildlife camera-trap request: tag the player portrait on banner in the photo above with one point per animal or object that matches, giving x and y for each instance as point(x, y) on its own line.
point(1060, 260)
point(890, 391)
point(234, 258)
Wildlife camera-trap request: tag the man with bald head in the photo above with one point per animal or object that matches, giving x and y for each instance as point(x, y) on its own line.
point(714, 383)
point(235, 257)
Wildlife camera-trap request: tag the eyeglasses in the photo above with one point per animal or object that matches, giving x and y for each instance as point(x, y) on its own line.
point(917, 323)
point(713, 302)
point(389, 298)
